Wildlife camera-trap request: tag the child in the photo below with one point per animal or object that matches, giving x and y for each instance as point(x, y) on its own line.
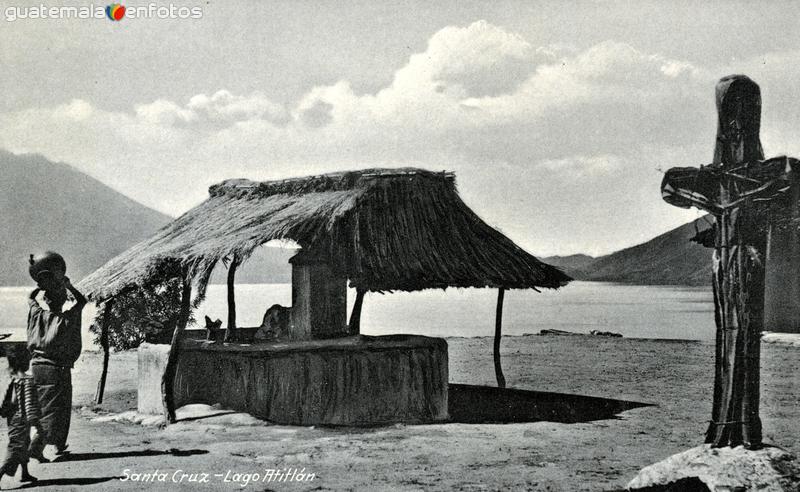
point(21, 408)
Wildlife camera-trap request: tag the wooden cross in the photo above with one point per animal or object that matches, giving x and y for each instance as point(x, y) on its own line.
point(745, 193)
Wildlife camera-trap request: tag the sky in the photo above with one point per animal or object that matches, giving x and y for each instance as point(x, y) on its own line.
point(558, 118)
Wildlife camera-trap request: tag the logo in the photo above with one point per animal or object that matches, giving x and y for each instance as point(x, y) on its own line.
point(115, 12)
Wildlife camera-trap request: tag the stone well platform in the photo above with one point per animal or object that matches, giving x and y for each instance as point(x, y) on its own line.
point(352, 381)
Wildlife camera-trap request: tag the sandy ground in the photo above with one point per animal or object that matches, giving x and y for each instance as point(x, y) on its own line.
point(675, 376)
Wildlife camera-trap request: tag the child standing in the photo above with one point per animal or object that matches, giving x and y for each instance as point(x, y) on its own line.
point(21, 409)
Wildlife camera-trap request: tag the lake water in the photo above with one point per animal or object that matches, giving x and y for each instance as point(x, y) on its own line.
point(634, 311)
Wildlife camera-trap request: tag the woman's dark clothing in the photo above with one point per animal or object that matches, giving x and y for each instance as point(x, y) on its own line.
point(54, 340)
point(55, 398)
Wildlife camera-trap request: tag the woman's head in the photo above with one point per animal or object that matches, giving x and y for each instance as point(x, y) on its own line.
point(19, 359)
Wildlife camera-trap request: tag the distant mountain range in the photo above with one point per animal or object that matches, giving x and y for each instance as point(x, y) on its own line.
point(669, 259)
point(47, 205)
point(52, 206)
point(266, 265)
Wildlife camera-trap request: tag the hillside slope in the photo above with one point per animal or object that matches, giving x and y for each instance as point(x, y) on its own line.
point(668, 259)
point(573, 265)
point(51, 206)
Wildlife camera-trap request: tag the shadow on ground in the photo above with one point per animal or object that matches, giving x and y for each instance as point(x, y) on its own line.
point(470, 404)
point(689, 484)
point(127, 454)
point(208, 416)
point(66, 482)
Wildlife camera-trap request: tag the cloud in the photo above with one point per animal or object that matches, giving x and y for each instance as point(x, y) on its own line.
point(223, 106)
point(474, 61)
point(539, 136)
point(216, 111)
point(317, 115)
point(76, 110)
point(164, 113)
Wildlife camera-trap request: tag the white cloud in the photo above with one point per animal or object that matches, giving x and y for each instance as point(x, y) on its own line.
point(226, 107)
point(219, 110)
point(77, 110)
point(163, 112)
point(477, 60)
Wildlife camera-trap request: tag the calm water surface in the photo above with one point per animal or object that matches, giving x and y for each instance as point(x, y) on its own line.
point(633, 311)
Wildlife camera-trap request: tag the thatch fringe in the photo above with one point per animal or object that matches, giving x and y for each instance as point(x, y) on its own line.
point(384, 229)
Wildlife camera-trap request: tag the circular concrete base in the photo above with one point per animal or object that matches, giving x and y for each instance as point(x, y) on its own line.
point(343, 381)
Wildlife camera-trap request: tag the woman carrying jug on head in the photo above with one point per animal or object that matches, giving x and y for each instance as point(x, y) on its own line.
point(54, 340)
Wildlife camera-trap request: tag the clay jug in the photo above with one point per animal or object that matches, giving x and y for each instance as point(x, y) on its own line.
point(48, 269)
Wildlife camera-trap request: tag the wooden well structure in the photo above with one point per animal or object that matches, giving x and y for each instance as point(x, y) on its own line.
point(380, 230)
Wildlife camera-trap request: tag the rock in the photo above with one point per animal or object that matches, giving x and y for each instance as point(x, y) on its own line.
point(557, 332)
point(605, 334)
point(723, 469)
point(789, 339)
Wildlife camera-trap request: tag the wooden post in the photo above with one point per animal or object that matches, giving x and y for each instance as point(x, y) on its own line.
point(230, 332)
point(168, 379)
point(498, 329)
point(355, 315)
point(101, 385)
point(738, 268)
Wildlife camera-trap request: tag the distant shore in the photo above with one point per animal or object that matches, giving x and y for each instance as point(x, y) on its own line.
point(632, 311)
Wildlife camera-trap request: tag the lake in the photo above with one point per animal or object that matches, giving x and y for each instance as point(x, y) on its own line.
point(634, 311)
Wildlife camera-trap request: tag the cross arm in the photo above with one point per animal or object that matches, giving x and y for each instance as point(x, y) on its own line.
point(688, 187)
point(761, 180)
point(764, 180)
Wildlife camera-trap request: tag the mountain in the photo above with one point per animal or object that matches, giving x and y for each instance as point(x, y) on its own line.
point(668, 259)
point(267, 265)
point(573, 265)
point(51, 206)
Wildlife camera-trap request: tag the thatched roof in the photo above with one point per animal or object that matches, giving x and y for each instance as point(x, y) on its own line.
point(384, 229)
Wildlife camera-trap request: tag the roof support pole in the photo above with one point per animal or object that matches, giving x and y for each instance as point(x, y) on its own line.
point(498, 333)
point(355, 315)
point(168, 378)
point(230, 332)
point(101, 384)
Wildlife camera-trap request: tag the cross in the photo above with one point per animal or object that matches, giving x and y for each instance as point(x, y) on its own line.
point(747, 195)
